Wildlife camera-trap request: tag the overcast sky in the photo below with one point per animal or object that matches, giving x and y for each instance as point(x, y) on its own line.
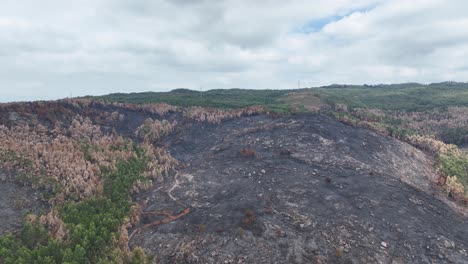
point(53, 48)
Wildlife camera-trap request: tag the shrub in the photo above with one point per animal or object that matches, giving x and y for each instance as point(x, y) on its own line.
point(33, 235)
point(216, 116)
point(153, 130)
point(454, 187)
point(248, 152)
point(249, 219)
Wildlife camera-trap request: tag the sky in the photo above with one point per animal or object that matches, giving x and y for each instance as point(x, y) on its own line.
point(52, 49)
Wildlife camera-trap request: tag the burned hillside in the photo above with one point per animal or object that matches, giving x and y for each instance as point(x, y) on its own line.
point(300, 189)
point(205, 185)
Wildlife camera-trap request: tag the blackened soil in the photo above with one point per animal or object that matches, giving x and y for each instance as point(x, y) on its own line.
point(316, 191)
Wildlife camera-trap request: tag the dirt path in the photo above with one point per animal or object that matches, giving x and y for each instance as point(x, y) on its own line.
point(317, 191)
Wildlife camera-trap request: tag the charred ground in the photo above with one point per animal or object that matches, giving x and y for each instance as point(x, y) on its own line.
point(309, 189)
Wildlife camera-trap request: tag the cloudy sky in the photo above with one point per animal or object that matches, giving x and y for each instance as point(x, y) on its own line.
point(53, 48)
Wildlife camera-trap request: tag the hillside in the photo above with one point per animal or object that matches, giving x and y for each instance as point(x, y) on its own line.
point(419, 114)
point(265, 177)
point(230, 98)
point(401, 97)
point(301, 189)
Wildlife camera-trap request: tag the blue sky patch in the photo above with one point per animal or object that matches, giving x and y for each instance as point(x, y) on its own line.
point(318, 24)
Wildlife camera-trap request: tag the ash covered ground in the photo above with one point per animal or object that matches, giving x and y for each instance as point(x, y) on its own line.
point(300, 189)
point(16, 200)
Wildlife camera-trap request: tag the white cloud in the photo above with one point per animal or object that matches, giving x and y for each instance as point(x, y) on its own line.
point(52, 48)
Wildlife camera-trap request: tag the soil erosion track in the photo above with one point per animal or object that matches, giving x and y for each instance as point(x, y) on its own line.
point(300, 189)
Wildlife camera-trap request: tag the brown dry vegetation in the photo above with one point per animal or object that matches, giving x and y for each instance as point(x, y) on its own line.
point(154, 108)
point(49, 157)
point(434, 146)
point(68, 161)
point(216, 116)
point(436, 123)
point(152, 130)
point(248, 152)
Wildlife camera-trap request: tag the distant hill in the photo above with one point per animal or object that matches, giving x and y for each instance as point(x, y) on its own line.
point(229, 98)
point(405, 96)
